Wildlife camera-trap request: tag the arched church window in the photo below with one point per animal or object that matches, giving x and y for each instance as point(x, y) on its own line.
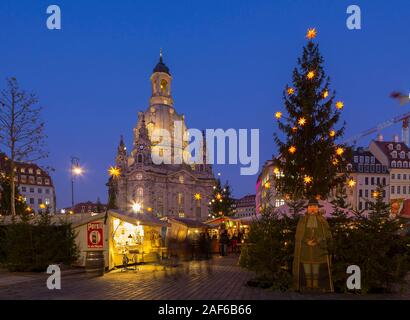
point(140, 195)
point(164, 86)
point(140, 158)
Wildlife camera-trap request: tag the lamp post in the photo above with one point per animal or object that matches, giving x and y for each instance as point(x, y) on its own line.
point(76, 170)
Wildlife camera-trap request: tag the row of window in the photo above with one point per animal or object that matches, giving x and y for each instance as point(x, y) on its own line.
point(29, 170)
point(32, 190)
point(374, 181)
point(400, 189)
point(33, 180)
point(399, 176)
point(402, 155)
point(39, 201)
point(378, 168)
point(399, 164)
point(364, 159)
point(366, 193)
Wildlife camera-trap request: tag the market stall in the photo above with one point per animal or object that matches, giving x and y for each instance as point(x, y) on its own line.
point(130, 237)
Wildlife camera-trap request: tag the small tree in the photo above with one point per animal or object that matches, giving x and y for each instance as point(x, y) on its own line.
point(5, 204)
point(221, 202)
point(21, 130)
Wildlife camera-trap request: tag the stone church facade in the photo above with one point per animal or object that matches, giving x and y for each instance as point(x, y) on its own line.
point(180, 190)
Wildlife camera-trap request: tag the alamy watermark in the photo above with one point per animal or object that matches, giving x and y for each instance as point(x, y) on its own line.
point(187, 146)
point(54, 281)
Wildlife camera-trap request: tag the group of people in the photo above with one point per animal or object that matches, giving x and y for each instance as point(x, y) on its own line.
point(227, 242)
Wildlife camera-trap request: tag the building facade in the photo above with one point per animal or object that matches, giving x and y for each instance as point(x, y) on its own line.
point(395, 156)
point(86, 207)
point(245, 206)
point(171, 188)
point(266, 195)
point(368, 173)
point(34, 184)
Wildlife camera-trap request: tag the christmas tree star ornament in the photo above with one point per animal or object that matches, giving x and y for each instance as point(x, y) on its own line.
point(339, 151)
point(307, 179)
point(351, 183)
point(302, 121)
point(278, 115)
point(310, 75)
point(267, 185)
point(311, 33)
point(332, 133)
point(291, 91)
point(294, 129)
point(325, 94)
point(292, 149)
point(276, 170)
point(339, 105)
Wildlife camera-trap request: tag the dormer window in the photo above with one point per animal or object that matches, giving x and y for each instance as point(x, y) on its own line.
point(356, 159)
point(398, 164)
point(390, 146)
point(393, 164)
point(405, 164)
point(394, 154)
point(372, 159)
point(398, 147)
point(367, 159)
point(349, 167)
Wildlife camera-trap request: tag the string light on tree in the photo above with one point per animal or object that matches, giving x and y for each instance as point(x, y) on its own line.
point(339, 151)
point(351, 183)
point(332, 133)
point(310, 75)
point(292, 149)
point(325, 94)
point(307, 179)
point(302, 121)
point(278, 115)
point(291, 91)
point(339, 105)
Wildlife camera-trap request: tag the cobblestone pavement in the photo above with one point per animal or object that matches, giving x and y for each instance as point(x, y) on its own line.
point(219, 278)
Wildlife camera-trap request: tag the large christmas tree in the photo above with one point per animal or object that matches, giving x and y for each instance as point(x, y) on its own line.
point(310, 160)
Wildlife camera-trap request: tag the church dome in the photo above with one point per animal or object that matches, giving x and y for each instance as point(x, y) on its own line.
point(161, 66)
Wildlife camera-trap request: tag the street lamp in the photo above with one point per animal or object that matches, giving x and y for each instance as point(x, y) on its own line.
point(76, 170)
point(136, 207)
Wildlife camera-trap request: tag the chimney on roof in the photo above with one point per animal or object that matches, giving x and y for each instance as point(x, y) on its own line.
point(405, 131)
point(380, 137)
point(396, 138)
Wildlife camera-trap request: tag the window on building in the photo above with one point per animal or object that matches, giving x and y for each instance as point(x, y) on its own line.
point(372, 168)
point(32, 190)
point(38, 172)
point(360, 193)
point(405, 164)
point(392, 190)
point(366, 168)
point(384, 193)
point(398, 176)
point(47, 201)
point(30, 170)
point(23, 189)
point(398, 164)
point(394, 154)
point(356, 159)
point(377, 168)
point(360, 205)
point(378, 181)
point(23, 178)
point(39, 180)
point(360, 168)
point(22, 170)
point(366, 181)
point(47, 181)
point(140, 195)
point(402, 155)
point(372, 181)
point(398, 189)
point(39, 201)
point(139, 158)
point(47, 191)
point(39, 190)
point(398, 147)
point(366, 193)
point(31, 179)
point(390, 146)
point(279, 202)
point(31, 200)
point(384, 181)
point(393, 164)
point(366, 205)
point(366, 159)
point(404, 190)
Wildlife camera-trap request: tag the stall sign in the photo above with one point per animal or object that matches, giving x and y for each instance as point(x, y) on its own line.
point(95, 234)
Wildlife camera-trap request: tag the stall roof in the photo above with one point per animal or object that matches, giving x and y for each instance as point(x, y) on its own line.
point(190, 223)
point(79, 219)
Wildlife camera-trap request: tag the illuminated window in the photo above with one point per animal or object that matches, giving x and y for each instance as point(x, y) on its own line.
point(164, 86)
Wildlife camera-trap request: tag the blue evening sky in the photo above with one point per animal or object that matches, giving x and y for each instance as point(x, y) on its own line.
point(230, 61)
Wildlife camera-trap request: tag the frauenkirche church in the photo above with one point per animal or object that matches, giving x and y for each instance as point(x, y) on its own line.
point(180, 190)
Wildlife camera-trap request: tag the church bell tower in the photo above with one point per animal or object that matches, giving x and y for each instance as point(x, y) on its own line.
point(161, 85)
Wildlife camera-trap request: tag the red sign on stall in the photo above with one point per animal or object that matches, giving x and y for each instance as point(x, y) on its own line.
point(95, 232)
